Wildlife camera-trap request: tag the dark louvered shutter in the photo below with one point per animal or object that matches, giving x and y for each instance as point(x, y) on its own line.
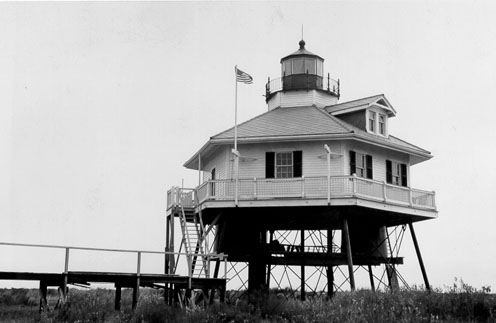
point(389, 172)
point(352, 162)
point(297, 163)
point(269, 164)
point(368, 160)
point(404, 180)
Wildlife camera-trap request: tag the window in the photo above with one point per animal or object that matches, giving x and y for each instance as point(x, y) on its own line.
point(372, 121)
point(310, 66)
point(361, 165)
point(212, 177)
point(286, 164)
point(382, 124)
point(287, 68)
point(298, 66)
point(320, 68)
point(396, 173)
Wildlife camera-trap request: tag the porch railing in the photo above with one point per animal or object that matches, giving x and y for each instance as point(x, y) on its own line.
point(304, 187)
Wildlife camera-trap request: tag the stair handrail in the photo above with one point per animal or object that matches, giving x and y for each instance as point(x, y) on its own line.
point(185, 233)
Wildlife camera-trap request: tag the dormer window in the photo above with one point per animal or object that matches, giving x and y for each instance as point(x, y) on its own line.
point(377, 122)
point(372, 117)
point(382, 124)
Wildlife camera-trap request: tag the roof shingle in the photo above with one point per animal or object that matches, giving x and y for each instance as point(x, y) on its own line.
point(295, 121)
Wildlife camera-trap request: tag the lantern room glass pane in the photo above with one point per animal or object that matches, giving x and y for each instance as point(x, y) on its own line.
point(310, 66)
point(320, 68)
point(298, 66)
point(286, 68)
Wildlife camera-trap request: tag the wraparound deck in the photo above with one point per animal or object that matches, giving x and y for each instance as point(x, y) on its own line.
point(335, 190)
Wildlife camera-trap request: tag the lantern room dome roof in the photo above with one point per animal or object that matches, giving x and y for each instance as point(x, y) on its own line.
point(302, 52)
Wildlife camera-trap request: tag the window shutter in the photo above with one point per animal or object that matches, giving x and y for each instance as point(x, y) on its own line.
point(389, 172)
point(297, 163)
point(404, 181)
point(352, 162)
point(269, 164)
point(368, 159)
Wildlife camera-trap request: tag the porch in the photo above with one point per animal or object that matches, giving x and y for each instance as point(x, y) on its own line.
point(335, 190)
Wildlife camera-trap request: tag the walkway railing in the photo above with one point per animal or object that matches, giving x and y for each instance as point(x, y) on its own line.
point(138, 253)
point(303, 188)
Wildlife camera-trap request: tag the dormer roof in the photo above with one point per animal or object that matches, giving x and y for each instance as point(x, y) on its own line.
point(302, 124)
point(378, 101)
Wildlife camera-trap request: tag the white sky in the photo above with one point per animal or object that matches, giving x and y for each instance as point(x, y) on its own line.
point(101, 103)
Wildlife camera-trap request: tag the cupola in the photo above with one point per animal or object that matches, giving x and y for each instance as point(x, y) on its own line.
point(302, 82)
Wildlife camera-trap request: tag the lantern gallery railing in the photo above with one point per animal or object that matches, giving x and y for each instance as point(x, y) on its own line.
point(302, 82)
point(303, 188)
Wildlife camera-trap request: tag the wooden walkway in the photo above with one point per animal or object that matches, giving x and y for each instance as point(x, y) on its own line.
point(170, 283)
point(177, 288)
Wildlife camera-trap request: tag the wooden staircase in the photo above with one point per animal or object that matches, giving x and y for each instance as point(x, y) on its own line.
point(193, 238)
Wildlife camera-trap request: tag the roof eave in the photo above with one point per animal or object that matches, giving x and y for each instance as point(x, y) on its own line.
point(192, 162)
point(419, 153)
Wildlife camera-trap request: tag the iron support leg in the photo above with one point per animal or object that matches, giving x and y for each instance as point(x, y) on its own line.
point(371, 276)
point(419, 256)
point(330, 282)
point(302, 250)
point(346, 233)
point(330, 272)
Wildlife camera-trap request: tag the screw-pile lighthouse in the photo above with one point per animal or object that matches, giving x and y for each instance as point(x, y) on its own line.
point(322, 188)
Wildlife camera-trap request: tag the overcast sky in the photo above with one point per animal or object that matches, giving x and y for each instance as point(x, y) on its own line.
point(102, 103)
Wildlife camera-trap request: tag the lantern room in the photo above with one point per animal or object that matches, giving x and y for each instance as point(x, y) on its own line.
point(302, 82)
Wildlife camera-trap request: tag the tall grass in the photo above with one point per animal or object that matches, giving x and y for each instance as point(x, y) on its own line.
point(457, 303)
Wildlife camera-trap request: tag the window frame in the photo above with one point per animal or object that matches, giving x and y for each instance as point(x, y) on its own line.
point(294, 169)
point(382, 124)
point(372, 119)
point(366, 170)
point(399, 173)
point(289, 167)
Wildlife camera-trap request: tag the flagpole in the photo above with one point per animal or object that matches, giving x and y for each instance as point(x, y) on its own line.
point(236, 154)
point(236, 109)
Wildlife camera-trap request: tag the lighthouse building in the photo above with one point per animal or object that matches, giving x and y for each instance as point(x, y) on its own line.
point(309, 164)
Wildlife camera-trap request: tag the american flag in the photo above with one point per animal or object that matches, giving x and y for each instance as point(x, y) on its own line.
point(243, 77)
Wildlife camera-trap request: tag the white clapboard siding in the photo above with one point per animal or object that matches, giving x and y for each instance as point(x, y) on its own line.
point(220, 161)
point(379, 157)
point(252, 164)
point(323, 99)
point(301, 98)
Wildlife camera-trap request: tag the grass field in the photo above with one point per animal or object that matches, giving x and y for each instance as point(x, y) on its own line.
point(458, 303)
